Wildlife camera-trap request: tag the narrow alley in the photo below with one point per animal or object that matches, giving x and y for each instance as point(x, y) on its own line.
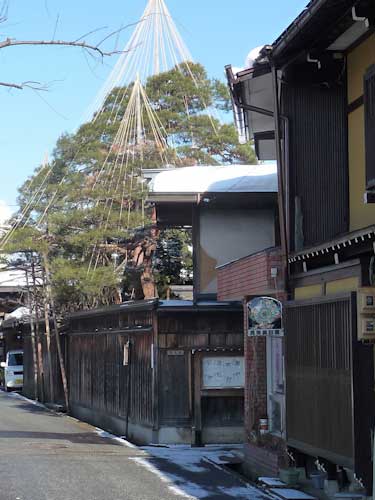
point(44, 455)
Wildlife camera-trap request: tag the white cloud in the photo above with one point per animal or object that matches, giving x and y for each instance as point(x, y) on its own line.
point(5, 212)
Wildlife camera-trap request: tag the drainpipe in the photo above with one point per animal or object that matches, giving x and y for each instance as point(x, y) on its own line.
point(282, 170)
point(281, 173)
point(128, 402)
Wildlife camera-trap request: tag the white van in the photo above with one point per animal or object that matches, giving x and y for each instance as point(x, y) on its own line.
point(13, 370)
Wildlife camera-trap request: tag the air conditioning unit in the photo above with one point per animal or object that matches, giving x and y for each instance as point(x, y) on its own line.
point(366, 314)
point(366, 300)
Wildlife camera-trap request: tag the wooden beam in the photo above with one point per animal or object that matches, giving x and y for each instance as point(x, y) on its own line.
point(197, 383)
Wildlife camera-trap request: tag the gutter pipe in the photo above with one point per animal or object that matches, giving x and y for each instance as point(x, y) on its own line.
point(282, 171)
point(311, 9)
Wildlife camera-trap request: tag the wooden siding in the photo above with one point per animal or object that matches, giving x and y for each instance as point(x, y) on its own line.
point(174, 388)
point(54, 370)
point(318, 378)
point(182, 340)
point(156, 388)
point(318, 164)
point(99, 381)
point(194, 329)
point(369, 101)
point(330, 399)
point(28, 367)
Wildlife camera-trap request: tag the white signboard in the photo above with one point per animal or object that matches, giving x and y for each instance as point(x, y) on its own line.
point(224, 372)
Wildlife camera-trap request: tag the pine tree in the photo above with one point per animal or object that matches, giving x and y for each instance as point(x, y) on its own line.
point(86, 208)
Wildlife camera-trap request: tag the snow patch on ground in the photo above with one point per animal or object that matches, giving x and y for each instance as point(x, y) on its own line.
point(171, 480)
point(17, 395)
point(108, 435)
point(241, 492)
point(191, 458)
point(197, 473)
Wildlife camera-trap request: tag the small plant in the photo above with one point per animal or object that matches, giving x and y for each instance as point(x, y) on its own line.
point(291, 459)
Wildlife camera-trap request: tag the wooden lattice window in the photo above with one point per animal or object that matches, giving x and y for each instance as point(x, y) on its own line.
point(369, 100)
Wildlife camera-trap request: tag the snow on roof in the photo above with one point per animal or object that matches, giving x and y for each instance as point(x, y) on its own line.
point(19, 313)
point(253, 56)
point(217, 179)
point(9, 279)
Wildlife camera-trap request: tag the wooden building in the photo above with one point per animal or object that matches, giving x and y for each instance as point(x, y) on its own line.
point(308, 101)
point(232, 211)
point(173, 371)
point(159, 371)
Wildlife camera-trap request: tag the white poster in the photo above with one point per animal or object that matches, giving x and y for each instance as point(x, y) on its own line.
point(224, 372)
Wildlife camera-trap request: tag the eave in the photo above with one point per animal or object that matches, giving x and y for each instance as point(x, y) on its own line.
point(317, 27)
point(355, 238)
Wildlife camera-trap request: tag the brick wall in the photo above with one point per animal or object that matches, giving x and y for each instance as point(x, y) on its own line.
point(256, 384)
point(250, 275)
point(240, 280)
point(260, 461)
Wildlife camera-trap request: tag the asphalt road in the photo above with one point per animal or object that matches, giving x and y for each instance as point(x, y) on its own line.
point(45, 456)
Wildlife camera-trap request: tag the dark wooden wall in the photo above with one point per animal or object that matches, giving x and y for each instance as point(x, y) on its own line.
point(318, 163)
point(329, 380)
point(182, 338)
point(28, 366)
point(44, 387)
point(98, 380)
point(156, 387)
point(318, 379)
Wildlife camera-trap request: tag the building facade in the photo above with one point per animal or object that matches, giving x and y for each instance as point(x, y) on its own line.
point(315, 115)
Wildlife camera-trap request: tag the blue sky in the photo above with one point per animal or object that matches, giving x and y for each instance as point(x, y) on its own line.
point(217, 32)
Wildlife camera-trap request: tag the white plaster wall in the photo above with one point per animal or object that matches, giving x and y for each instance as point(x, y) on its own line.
point(227, 235)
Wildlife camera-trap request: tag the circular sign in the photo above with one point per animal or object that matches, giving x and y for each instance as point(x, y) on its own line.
point(265, 313)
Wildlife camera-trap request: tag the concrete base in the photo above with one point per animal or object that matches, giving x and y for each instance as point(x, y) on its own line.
point(223, 435)
point(174, 435)
point(331, 487)
point(139, 434)
point(143, 434)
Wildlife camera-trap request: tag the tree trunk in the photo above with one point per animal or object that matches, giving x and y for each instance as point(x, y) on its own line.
point(148, 282)
point(48, 342)
point(37, 333)
point(32, 334)
point(58, 343)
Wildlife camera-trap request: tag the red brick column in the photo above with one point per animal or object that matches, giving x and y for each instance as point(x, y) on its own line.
point(255, 382)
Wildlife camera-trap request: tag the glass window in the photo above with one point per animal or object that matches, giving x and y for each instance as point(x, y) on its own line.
point(276, 384)
point(15, 359)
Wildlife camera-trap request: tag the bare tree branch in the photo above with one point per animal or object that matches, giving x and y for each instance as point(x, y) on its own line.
point(4, 11)
point(90, 33)
point(46, 7)
point(9, 42)
point(79, 42)
point(28, 84)
point(116, 32)
point(56, 23)
point(49, 104)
